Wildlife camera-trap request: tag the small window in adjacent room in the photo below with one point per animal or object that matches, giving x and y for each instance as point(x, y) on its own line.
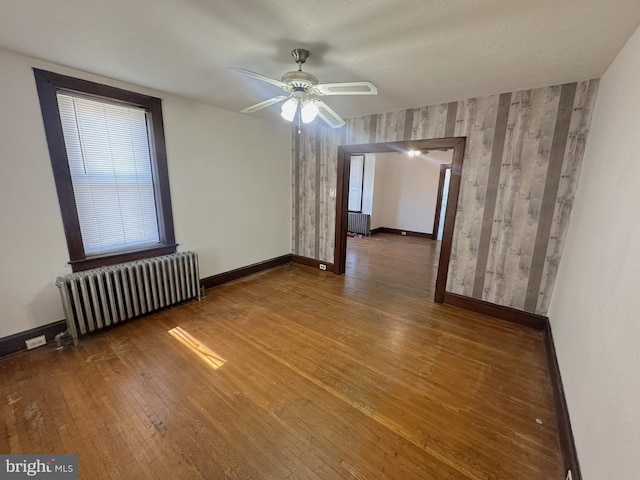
point(109, 162)
point(356, 182)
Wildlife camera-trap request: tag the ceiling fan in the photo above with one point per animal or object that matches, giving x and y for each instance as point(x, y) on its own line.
point(301, 89)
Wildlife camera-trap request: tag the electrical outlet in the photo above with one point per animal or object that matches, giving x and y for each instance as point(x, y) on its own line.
point(332, 193)
point(569, 476)
point(323, 266)
point(35, 342)
point(403, 233)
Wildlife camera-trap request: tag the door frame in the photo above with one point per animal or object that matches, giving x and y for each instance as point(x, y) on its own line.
point(342, 197)
point(436, 218)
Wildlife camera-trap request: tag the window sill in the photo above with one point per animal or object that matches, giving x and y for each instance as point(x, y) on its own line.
point(121, 257)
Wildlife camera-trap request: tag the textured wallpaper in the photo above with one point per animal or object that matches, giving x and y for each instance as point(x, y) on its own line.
point(521, 166)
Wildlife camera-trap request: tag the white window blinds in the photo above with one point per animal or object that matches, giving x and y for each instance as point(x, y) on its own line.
point(109, 158)
point(355, 183)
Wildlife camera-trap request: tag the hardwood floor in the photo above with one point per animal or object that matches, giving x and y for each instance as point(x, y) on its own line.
point(402, 264)
point(307, 375)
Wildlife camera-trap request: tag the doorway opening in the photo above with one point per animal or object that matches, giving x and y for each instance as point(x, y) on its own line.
point(345, 152)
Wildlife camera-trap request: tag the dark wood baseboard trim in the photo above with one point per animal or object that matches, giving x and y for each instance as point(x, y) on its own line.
point(541, 323)
point(219, 279)
point(397, 231)
point(311, 262)
point(531, 320)
point(563, 422)
point(14, 343)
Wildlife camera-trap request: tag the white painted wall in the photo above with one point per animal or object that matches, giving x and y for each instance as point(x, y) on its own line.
point(230, 186)
point(594, 311)
point(405, 192)
point(377, 200)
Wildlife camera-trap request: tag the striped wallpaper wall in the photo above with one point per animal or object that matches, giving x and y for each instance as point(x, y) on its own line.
point(521, 166)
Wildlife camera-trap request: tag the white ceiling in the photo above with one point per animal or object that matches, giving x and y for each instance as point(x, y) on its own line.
point(416, 52)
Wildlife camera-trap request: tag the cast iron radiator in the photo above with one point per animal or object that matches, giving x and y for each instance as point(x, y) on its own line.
point(104, 296)
point(359, 223)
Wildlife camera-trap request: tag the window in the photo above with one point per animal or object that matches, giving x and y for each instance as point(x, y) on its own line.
point(109, 162)
point(356, 182)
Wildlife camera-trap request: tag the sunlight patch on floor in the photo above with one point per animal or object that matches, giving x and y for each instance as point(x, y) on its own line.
point(213, 359)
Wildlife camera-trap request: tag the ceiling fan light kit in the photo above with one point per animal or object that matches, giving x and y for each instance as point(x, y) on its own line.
point(289, 109)
point(302, 88)
point(309, 111)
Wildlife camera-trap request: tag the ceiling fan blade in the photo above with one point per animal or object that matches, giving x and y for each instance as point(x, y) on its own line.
point(346, 88)
point(264, 78)
point(328, 115)
point(264, 104)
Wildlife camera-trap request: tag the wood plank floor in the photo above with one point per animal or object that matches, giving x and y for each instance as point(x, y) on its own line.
point(308, 376)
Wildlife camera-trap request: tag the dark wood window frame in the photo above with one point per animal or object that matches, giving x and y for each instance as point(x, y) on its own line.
point(364, 159)
point(48, 85)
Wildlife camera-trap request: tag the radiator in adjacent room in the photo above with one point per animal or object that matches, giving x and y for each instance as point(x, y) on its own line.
point(359, 223)
point(101, 297)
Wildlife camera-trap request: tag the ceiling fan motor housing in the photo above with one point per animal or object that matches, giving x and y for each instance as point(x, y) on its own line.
point(299, 79)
